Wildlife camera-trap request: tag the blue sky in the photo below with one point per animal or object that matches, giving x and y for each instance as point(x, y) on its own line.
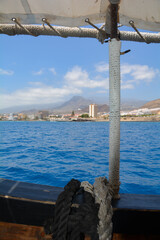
point(42, 70)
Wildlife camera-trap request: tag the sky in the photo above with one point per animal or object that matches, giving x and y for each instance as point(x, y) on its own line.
point(44, 70)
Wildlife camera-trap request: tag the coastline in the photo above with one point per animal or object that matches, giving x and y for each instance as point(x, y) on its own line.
point(122, 119)
point(136, 119)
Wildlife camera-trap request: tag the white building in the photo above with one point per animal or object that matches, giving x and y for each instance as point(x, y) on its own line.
point(93, 110)
point(10, 117)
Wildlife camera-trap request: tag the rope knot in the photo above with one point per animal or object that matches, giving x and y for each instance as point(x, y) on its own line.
point(101, 35)
point(93, 217)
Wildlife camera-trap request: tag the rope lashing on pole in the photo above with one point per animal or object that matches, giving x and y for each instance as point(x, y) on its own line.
point(102, 35)
point(114, 101)
point(12, 29)
point(37, 30)
point(45, 20)
point(133, 36)
point(93, 216)
point(22, 26)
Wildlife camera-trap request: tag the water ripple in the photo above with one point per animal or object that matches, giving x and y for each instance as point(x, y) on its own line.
point(53, 152)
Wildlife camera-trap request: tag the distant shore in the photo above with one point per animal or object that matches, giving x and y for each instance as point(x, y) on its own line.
point(137, 119)
point(122, 119)
point(141, 119)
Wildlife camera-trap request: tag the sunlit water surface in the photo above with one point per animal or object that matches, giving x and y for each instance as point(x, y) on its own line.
point(54, 152)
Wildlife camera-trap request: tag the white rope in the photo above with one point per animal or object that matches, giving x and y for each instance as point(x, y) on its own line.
point(133, 36)
point(37, 30)
point(114, 104)
point(87, 187)
point(102, 193)
point(11, 29)
point(103, 196)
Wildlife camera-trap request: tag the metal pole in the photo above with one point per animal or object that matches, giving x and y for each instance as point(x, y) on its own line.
point(114, 102)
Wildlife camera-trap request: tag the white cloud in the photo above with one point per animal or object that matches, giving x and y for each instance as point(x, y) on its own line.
point(52, 70)
point(127, 86)
point(143, 73)
point(41, 95)
point(40, 72)
point(75, 81)
point(6, 72)
point(131, 74)
point(139, 72)
point(80, 78)
point(102, 67)
point(134, 74)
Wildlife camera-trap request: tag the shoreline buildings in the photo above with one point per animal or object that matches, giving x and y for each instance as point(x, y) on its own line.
point(93, 109)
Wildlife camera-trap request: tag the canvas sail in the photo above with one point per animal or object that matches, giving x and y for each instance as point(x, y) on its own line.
point(72, 13)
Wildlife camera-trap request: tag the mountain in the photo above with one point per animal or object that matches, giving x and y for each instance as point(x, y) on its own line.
point(28, 109)
point(152, 104)
point(80, 104)
point(131, 104)
point(101, 108)
point(76, 103)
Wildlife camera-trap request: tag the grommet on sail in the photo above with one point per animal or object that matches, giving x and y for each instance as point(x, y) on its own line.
point(72, 13)
point(68, 16)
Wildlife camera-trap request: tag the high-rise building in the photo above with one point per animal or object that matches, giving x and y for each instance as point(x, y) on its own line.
point(93, 110)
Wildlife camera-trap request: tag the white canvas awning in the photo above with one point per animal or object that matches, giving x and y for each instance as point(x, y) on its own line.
point(72, 13)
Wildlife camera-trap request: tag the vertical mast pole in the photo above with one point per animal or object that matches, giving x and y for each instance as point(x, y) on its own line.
point(114, 101)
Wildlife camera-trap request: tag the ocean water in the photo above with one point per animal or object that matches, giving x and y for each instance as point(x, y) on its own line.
point(54, 152)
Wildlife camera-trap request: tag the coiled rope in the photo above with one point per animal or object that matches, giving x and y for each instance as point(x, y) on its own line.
point(92, 218)
point(103, 196)
point(63, 208)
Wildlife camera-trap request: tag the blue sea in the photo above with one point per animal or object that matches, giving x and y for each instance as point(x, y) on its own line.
point(54, 152)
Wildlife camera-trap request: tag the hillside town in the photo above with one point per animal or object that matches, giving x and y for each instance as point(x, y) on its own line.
point(141, 114)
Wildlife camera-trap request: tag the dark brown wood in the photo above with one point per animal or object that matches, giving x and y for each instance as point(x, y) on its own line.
point(12, 231)
point(32, 204)
point(134, 237)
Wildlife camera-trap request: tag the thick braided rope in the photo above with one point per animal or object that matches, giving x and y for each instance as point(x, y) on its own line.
point(102, 193)
point(103, 196)
point(37, 30)
point(63, 208)
point(93, 217)
point(90, 208)
point(87, 187)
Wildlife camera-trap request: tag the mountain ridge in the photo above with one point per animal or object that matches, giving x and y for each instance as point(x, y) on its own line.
point(152, 104)
point(79, 104)
point(76, 103)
